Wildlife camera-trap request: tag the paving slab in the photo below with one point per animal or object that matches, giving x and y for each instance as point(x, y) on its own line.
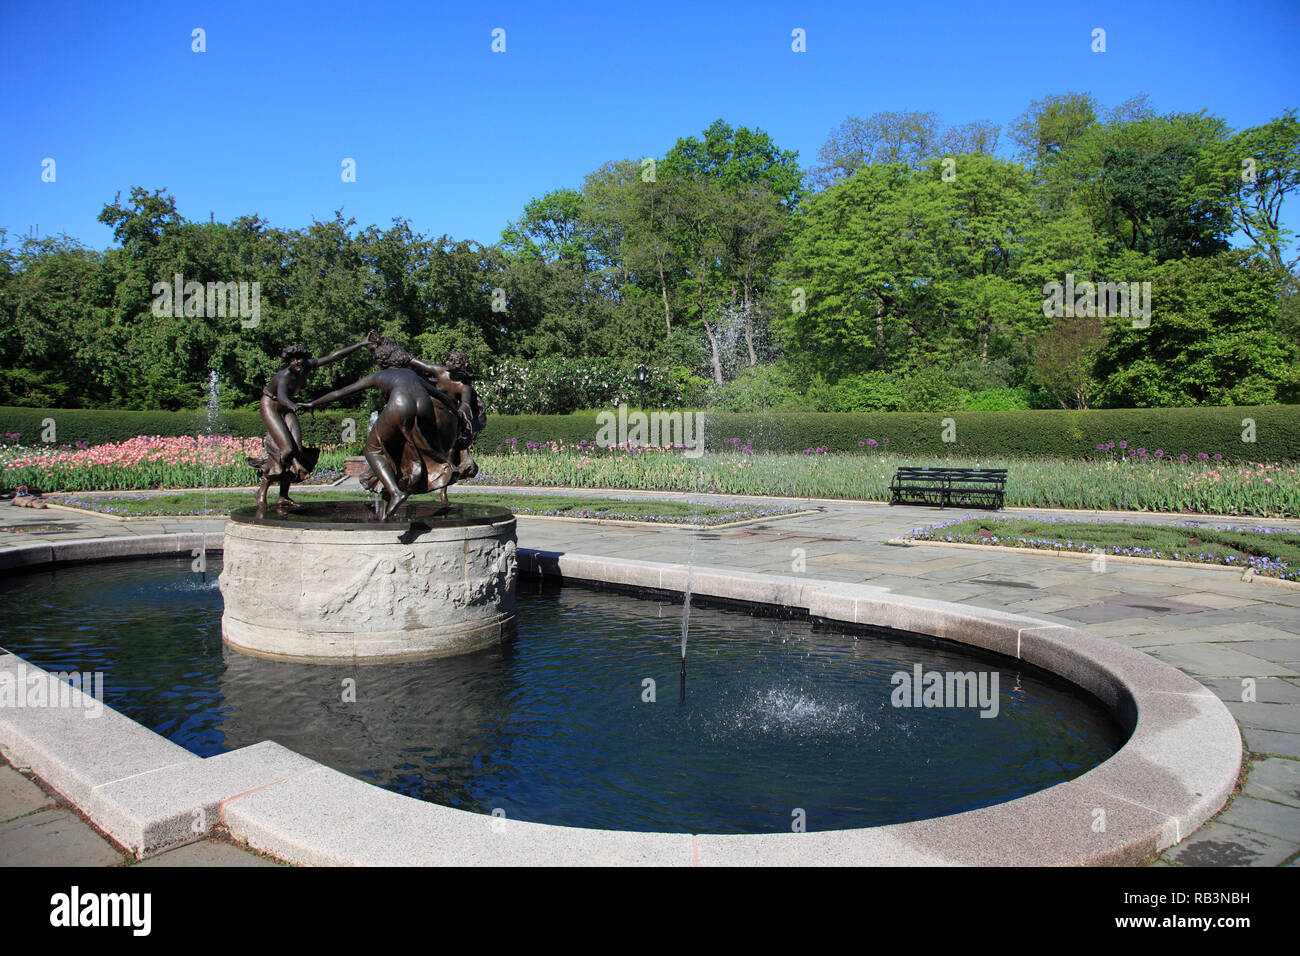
point(1168, 637)
point(1119, 628)
point(1264, 816)
point(1216, 599)
point(1236, 624)
point(1220, 844)
point(19, 796)
point(1217, 660)
point(1276, 779)
point(1272, 742)
point(1267, 690)
point(56, 837)
point(1266, 716)
point(207, 853)
point(1280, 651)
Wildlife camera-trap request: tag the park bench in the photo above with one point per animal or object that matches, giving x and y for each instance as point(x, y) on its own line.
point(949, 486)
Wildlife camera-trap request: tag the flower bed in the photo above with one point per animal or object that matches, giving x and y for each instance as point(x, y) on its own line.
point(1130, 483)
point(216, 461)
point(1273, 552)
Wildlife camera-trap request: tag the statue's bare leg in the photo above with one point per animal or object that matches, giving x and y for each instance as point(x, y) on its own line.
point(280, 431)
point(285, 479)
point(383, 468)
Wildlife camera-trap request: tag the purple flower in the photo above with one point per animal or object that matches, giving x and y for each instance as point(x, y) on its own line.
point(872, 442)
point(1123, 445)
point(1182, 457)
point(1203, 456)
point(1160, 453)
point(860, 444)
point(1218, 458)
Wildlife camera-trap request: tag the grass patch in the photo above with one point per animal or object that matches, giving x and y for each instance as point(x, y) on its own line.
point(1274, 552)
point(191, 503)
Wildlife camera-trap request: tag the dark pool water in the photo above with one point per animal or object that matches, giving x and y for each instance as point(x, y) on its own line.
point(784, 723)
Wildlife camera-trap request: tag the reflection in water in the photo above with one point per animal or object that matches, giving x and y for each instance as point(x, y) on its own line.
point(577, 721)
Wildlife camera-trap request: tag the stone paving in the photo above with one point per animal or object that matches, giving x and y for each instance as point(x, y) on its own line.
point(39, 829)
point(1240, 639)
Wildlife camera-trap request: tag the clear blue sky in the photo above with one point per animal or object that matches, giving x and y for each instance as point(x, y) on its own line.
point(457, 138)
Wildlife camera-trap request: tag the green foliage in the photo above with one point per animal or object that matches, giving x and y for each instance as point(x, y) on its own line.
point(1213, 340)
point(915, 281)
point(999, 400)
point(870, 391)
point(551, 386)
point(1004, 434)
point(756, 389)
point(98, 427)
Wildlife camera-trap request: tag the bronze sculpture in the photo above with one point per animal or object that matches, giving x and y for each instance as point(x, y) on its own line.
point(453, 378)
point(421, 441)
point(286, 458)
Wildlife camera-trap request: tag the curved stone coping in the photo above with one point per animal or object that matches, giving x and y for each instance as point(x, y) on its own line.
point(45, 553)
point(1178, 767)
point(358, 516)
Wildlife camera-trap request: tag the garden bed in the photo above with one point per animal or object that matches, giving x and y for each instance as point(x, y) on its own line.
point(1270, 552)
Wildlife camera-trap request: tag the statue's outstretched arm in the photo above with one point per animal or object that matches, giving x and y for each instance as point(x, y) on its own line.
point(360, 385)
point(427, 368)
point(336, 355)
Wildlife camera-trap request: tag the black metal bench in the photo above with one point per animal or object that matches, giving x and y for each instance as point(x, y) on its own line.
point(949, 486)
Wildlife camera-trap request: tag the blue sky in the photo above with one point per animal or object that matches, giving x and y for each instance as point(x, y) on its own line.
point(457, 138)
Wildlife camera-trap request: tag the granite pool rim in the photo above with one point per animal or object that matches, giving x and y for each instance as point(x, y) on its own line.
point(1176, 770)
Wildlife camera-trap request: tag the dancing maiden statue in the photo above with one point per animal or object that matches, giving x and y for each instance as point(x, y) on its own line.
point(415, 445)
point(286, 459)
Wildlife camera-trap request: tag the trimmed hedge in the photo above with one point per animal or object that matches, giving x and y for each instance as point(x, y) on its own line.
point(1011, 434)
point(1017, 434)
point(99, 427)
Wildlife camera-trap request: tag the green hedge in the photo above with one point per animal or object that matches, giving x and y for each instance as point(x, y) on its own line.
point(1016, 434)
point(1012, 434)
point(72, 425)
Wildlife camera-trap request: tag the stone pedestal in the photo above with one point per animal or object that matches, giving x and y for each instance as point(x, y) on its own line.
point(330, 584)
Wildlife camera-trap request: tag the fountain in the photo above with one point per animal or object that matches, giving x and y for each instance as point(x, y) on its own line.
point(213, 411)
point(561, 726)
point(336, 582)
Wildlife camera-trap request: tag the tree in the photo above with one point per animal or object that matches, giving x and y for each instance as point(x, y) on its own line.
point(1213, 340)
point(850, 281)
point(1261, 167)
point(1050, 126)
point(1064, 358)
point(726, 201)
point(1152, 194)
point(912, 139)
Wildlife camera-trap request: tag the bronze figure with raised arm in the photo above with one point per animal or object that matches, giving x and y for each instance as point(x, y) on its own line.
point(452, 379)
point(286, 458)
point(411, 445)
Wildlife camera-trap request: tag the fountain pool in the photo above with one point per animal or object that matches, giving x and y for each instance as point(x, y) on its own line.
point(577, 720)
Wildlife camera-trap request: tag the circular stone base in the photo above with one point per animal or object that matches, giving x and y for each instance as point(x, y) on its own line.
point(329, 583)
